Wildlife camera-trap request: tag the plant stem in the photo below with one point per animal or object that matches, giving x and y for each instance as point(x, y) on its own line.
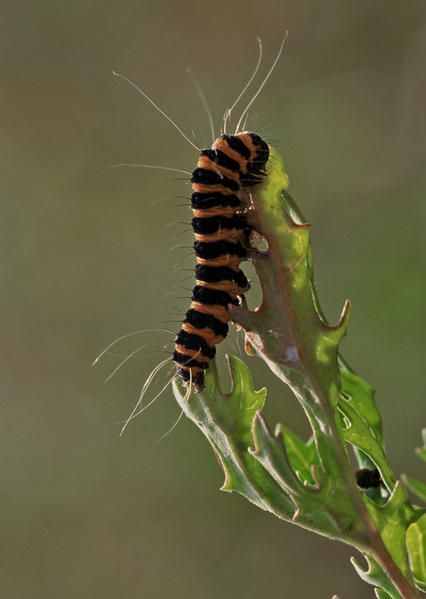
point(290, 332)
point(384, 559)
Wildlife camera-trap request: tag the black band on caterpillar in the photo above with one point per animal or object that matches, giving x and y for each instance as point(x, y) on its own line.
point(212, 297)
point(205, 176)
point(232, 163)
point(236, 144)
point(212, 224)
point(222, 159)
point(262, 154)
point(213, 274)
point(203, 201)
point(215, 249)
point(192, 341)
point(201, 320)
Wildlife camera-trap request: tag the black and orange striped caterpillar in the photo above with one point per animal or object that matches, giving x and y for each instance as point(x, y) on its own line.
point(225, 174)
point(224, 171)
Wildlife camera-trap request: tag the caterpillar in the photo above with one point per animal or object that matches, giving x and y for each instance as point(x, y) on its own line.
point(220, 180)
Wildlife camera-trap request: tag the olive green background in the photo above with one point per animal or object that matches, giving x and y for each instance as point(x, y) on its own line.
point(85, 257)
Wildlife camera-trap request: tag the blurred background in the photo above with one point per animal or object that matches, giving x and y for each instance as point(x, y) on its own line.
point(88, 255)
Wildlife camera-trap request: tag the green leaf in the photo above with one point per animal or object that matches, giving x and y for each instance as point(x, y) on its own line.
point(226, 422)
point(238, 408)
point(360, 396)
point(290, 323)
point(361, 425)
point(267, 476)
point(375, 576)
point(391, 521)
point(302, 456)
point(270, 451)
point(416, 548)
point(358, 432)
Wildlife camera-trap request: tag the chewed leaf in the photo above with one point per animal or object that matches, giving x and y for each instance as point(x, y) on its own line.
point(358, 433)
point(270, 451)
point(241, 403)
point(416, 548)
point(361, 397)
point(226, 422)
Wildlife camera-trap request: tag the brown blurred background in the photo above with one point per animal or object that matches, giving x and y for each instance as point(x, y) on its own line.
point(85, 259)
